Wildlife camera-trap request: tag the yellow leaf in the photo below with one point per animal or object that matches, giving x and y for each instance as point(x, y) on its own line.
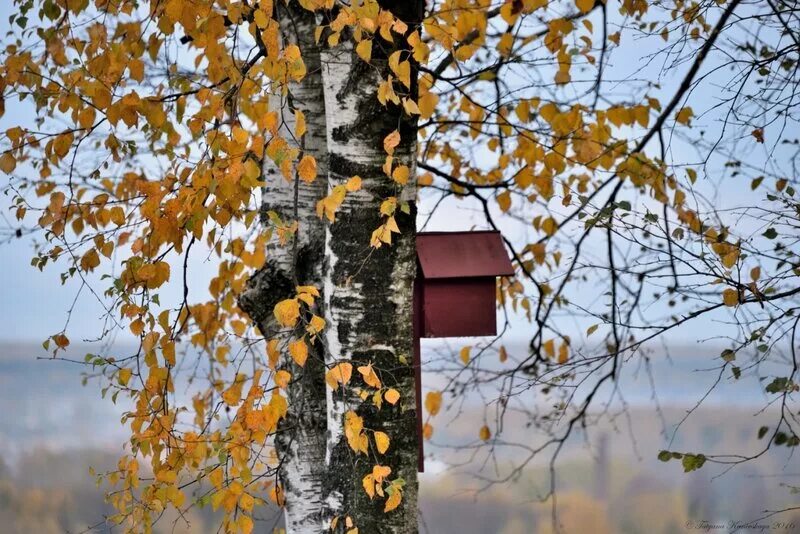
point(339, 374)
point(504, 201)
point(388, 206)
point(216, 477)
point(240, 135)
point(485, 433)
point(261, 19)
point(353, 184)
point(503, 354)
point(369, 485)
point(562, 77)
point(294, 60)
point(549, 347)
point(382, 442)
point(393, 501)
point(505, 44)
point(391, 396)
point(410, 107)
point(328, 205)
point(7, 163)
point(287, 312)
point(166, 475)
point(307, 169)
point(464, 354)
point(509, 12)
point(369, 376)
point(380, 472)
point(400, 175)
point(684, 116)
point(310, 290)
point(299, 351)
point(401, 68)
point(380, 236)
point(563, 353)
point(353, 431)
point(364, 50)
point(90, 260)
point(391, 141)
point(755, 273)
point(299, 123)
point(282, 378)
point(427, 104)
point(272, 353)
point(315, 325)
point(391, 225)
point(245, 524)
point(233, 394)
point(433, 402)
point(642, 115)
point(62, 144)
point(730, 297)
point(549, 226)
point(584, 6)
point(427, 431)
point(124, 376)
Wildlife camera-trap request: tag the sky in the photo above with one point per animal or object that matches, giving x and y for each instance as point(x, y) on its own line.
point(35, 303)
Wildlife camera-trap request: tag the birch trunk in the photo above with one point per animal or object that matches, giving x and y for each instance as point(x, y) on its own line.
point(301, 436)
point(369, 293)
point(366, 294)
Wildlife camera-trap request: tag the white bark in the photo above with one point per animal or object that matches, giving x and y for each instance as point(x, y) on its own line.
point(300, 441)
point(368, 294)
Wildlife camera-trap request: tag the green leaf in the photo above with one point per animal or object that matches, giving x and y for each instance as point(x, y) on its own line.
point(781, 383)
point(665, 456)
point(771, 233)
point(762, 431)
point(692, 462)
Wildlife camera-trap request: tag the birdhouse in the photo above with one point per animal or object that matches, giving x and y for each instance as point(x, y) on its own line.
point(455, 290)
point(458, 272)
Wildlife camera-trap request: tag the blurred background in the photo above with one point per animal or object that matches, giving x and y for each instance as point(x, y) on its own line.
point(53, 430)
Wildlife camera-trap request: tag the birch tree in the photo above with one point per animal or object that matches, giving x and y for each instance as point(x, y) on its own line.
point(290, 142)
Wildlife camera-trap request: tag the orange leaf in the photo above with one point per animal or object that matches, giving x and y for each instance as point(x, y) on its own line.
point(299, 351)
point(391, 141)
point(369, 376)
point(433, 402)
point(391, 396)
point(307, 169)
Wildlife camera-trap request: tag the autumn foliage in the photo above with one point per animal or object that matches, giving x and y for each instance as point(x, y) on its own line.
point(154, 122)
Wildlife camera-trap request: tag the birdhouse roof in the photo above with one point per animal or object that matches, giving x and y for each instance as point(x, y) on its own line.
point(462, 255)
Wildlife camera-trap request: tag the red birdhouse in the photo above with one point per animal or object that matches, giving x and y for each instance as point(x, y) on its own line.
point(454, 292)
